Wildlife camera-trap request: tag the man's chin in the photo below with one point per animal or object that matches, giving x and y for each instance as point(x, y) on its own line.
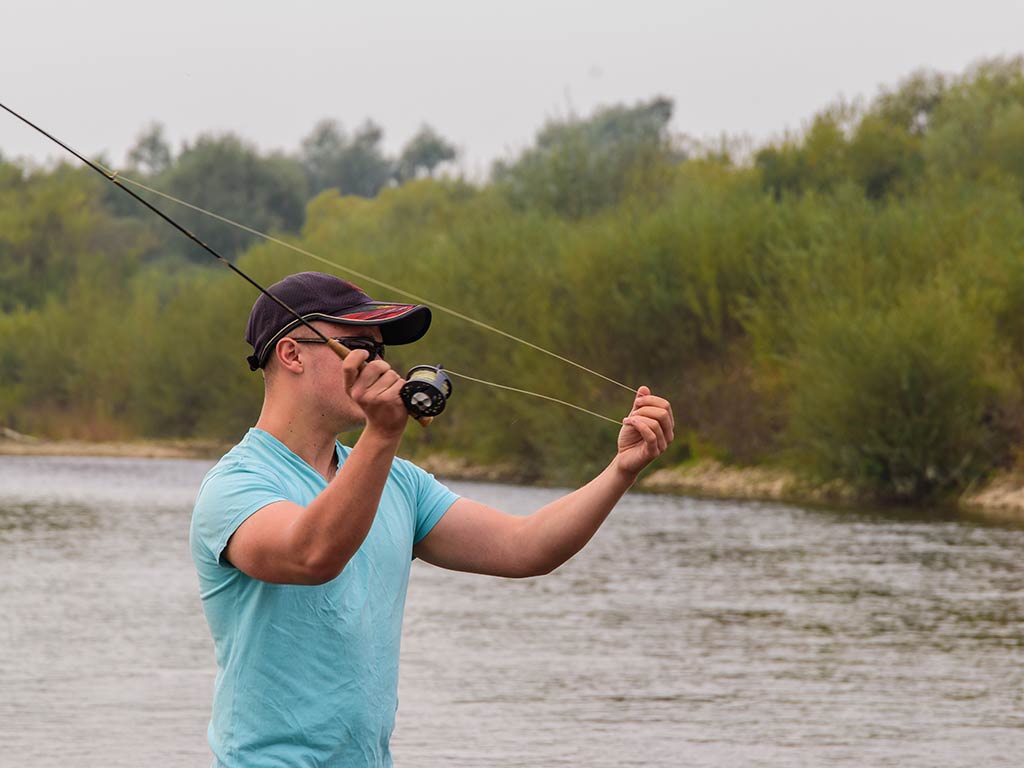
point(352, 423)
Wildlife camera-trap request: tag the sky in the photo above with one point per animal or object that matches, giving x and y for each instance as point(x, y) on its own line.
point(485, 75)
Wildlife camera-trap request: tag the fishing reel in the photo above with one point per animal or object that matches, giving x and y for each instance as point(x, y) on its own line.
point(426, 390)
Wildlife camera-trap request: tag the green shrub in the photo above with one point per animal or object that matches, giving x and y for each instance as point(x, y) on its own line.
point(894, 400)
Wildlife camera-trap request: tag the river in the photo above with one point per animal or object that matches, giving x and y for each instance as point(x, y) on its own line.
point(689, 633)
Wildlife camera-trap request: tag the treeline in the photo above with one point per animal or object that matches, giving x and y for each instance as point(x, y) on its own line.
point(849, 300)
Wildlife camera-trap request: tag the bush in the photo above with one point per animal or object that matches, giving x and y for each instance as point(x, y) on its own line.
point(895, 401)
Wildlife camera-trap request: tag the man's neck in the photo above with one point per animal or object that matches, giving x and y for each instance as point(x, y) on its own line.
point(312, 444)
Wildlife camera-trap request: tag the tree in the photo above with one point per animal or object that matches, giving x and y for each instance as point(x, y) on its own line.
point(580, 166)
point(978, 128)
point(362, 168)
point(151, 153)
point(225, 175)
point(424, 152)
point(911, 105)
point(354, 166)
point(53, 228)
point(818, 160)
point(319, 151)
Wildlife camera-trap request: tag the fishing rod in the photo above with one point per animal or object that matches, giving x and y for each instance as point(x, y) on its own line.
point(427, 388)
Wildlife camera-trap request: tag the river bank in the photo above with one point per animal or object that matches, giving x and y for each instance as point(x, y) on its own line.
point(1000, 498)
point(16, 444)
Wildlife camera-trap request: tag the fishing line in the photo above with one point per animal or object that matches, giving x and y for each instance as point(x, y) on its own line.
point(408, 295)
point(375, 281)
point(532, 394)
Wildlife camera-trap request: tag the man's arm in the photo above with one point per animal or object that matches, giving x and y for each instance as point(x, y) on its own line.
point(476, 538)
point(286, 543)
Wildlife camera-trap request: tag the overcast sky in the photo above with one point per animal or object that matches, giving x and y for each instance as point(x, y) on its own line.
point(486, 75)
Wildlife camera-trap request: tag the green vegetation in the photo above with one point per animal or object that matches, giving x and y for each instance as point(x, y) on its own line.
point(849, 300)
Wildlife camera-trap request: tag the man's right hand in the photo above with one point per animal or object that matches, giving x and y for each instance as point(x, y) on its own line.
point(376, 388)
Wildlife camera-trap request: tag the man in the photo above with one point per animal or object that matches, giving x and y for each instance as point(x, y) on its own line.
point(303, 546)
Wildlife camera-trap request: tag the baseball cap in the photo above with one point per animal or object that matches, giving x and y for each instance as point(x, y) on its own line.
point(319, 296)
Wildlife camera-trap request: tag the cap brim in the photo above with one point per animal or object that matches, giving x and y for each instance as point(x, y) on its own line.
point(399, 323)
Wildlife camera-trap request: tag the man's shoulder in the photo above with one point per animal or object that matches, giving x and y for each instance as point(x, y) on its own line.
point(242, 482)
point(249, 457)
point(240, 454)
point(406, 470)
point(417, 483)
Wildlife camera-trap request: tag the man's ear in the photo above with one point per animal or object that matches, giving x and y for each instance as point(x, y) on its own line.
point(288, 355)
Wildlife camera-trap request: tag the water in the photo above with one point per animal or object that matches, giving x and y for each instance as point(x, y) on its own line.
point(689, 633)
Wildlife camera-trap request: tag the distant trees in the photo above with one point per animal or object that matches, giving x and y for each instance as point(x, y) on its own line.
point(357, 165)
point(54, 228)
point(151, 153)
point(353, 165)
point(925, 131)
point(422, 154)
point(267, 191)
point(229, 176)
point(579, 166)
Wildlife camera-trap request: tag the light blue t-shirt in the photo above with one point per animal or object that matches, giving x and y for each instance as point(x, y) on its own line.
point(307, 675)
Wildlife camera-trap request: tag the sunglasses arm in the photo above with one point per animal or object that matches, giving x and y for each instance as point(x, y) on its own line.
point(342, 351)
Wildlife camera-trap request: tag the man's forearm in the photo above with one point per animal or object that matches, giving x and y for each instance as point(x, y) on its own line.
point(330, 530)
point(557, 531)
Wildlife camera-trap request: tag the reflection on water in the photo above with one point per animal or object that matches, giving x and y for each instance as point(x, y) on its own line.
point(688, 633)
point(31, 518)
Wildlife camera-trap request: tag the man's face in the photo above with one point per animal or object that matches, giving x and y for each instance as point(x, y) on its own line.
point(322, 381)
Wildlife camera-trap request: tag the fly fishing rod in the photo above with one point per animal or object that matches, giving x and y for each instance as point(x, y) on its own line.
point(427, 388)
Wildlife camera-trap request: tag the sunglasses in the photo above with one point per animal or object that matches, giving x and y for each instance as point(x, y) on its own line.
point(371, 346)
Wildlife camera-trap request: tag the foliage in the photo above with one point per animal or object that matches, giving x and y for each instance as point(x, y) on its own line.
point(53, 228)
point(353, 166)
point(893, 399)
point(850, 300)
point(578, 167)
point(229, 176)
point(151, 153)
point(929, 130)
point(422, 155)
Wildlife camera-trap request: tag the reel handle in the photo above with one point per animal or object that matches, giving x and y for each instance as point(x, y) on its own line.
point(342, 351)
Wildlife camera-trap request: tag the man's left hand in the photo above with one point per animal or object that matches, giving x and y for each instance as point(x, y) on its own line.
point(645, 433)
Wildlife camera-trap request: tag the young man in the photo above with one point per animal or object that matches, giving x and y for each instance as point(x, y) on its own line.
point(303, 546)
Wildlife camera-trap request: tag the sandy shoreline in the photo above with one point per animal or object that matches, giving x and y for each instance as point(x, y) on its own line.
point(1000, 498)
point(149, 449)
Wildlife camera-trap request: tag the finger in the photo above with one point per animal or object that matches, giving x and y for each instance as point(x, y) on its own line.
point(366, 387)
point(639, 401)
point(646, 430)
point(652, 400)
point(650, 430)
point(659, 433)
point(351, 365)
point(370, 372)
point(376, 377)
point(658, 402)
point(662, 416)
point(395, 389)
point(384, 384)
point(355, 359)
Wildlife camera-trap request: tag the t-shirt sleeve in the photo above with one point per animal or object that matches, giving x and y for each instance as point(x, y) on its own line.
point(432, 500)
point(226, 500)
